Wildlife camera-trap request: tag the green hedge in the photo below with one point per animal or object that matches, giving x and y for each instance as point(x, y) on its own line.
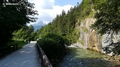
point(54, 47)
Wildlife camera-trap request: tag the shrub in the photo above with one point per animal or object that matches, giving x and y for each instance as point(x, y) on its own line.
point(54, 47)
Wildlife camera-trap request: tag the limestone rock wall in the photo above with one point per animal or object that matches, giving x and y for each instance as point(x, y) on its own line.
point(88, 37)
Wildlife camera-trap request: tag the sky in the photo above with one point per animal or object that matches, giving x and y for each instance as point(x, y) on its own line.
point(48, 9)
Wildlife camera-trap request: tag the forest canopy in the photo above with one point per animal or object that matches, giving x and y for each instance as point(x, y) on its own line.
point(14, 17)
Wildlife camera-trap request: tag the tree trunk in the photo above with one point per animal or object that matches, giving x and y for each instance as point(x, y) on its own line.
point(111, 39)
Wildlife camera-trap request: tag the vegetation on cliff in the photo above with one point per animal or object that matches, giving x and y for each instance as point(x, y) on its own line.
point(63, 30)
point(108, 22)
point(67, 24)
point(107, 15)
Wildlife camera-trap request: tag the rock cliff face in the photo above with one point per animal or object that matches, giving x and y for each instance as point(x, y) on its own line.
point(88, 37)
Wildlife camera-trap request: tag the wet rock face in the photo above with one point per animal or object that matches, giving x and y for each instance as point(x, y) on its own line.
point(88, 37)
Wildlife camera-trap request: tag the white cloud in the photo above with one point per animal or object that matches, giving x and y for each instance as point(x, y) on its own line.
point(47, 10)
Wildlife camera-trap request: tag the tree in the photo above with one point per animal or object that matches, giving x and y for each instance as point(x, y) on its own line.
point(108, 20)
point(31, 29)
point(14, 17)
point(14, 1)
point(30, 32)
point(107, 17)
point(25, 33)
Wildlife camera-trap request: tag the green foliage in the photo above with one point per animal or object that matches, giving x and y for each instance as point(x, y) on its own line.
point(54, 46)
point(12, 18)
point(108, 21)
point(107, 15)
point(20, 43)
point(84, 29)
point(63, 25)
point(25, 33)
point(66, 24)
point(85, 8)
point(116, 50)
point(81, 42)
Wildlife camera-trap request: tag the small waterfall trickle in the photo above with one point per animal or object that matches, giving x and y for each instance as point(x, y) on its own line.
point(89, 38)
point(85, 40)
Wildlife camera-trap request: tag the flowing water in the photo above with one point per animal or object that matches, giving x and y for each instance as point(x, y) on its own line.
point(86, 58)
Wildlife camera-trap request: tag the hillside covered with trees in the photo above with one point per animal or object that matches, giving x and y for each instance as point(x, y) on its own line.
point(67, 25)
point(65, 29)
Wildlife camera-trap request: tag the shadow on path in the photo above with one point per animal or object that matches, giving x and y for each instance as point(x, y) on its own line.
point(25, 57)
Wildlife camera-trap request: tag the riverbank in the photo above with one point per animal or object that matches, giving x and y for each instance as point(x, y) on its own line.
point(109, 56)
point(79, 57)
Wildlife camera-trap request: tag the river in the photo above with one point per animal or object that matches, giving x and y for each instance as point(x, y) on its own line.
point(78, 57)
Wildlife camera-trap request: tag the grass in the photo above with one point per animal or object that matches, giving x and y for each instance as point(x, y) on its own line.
point(20, 43)
point(81, 42)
